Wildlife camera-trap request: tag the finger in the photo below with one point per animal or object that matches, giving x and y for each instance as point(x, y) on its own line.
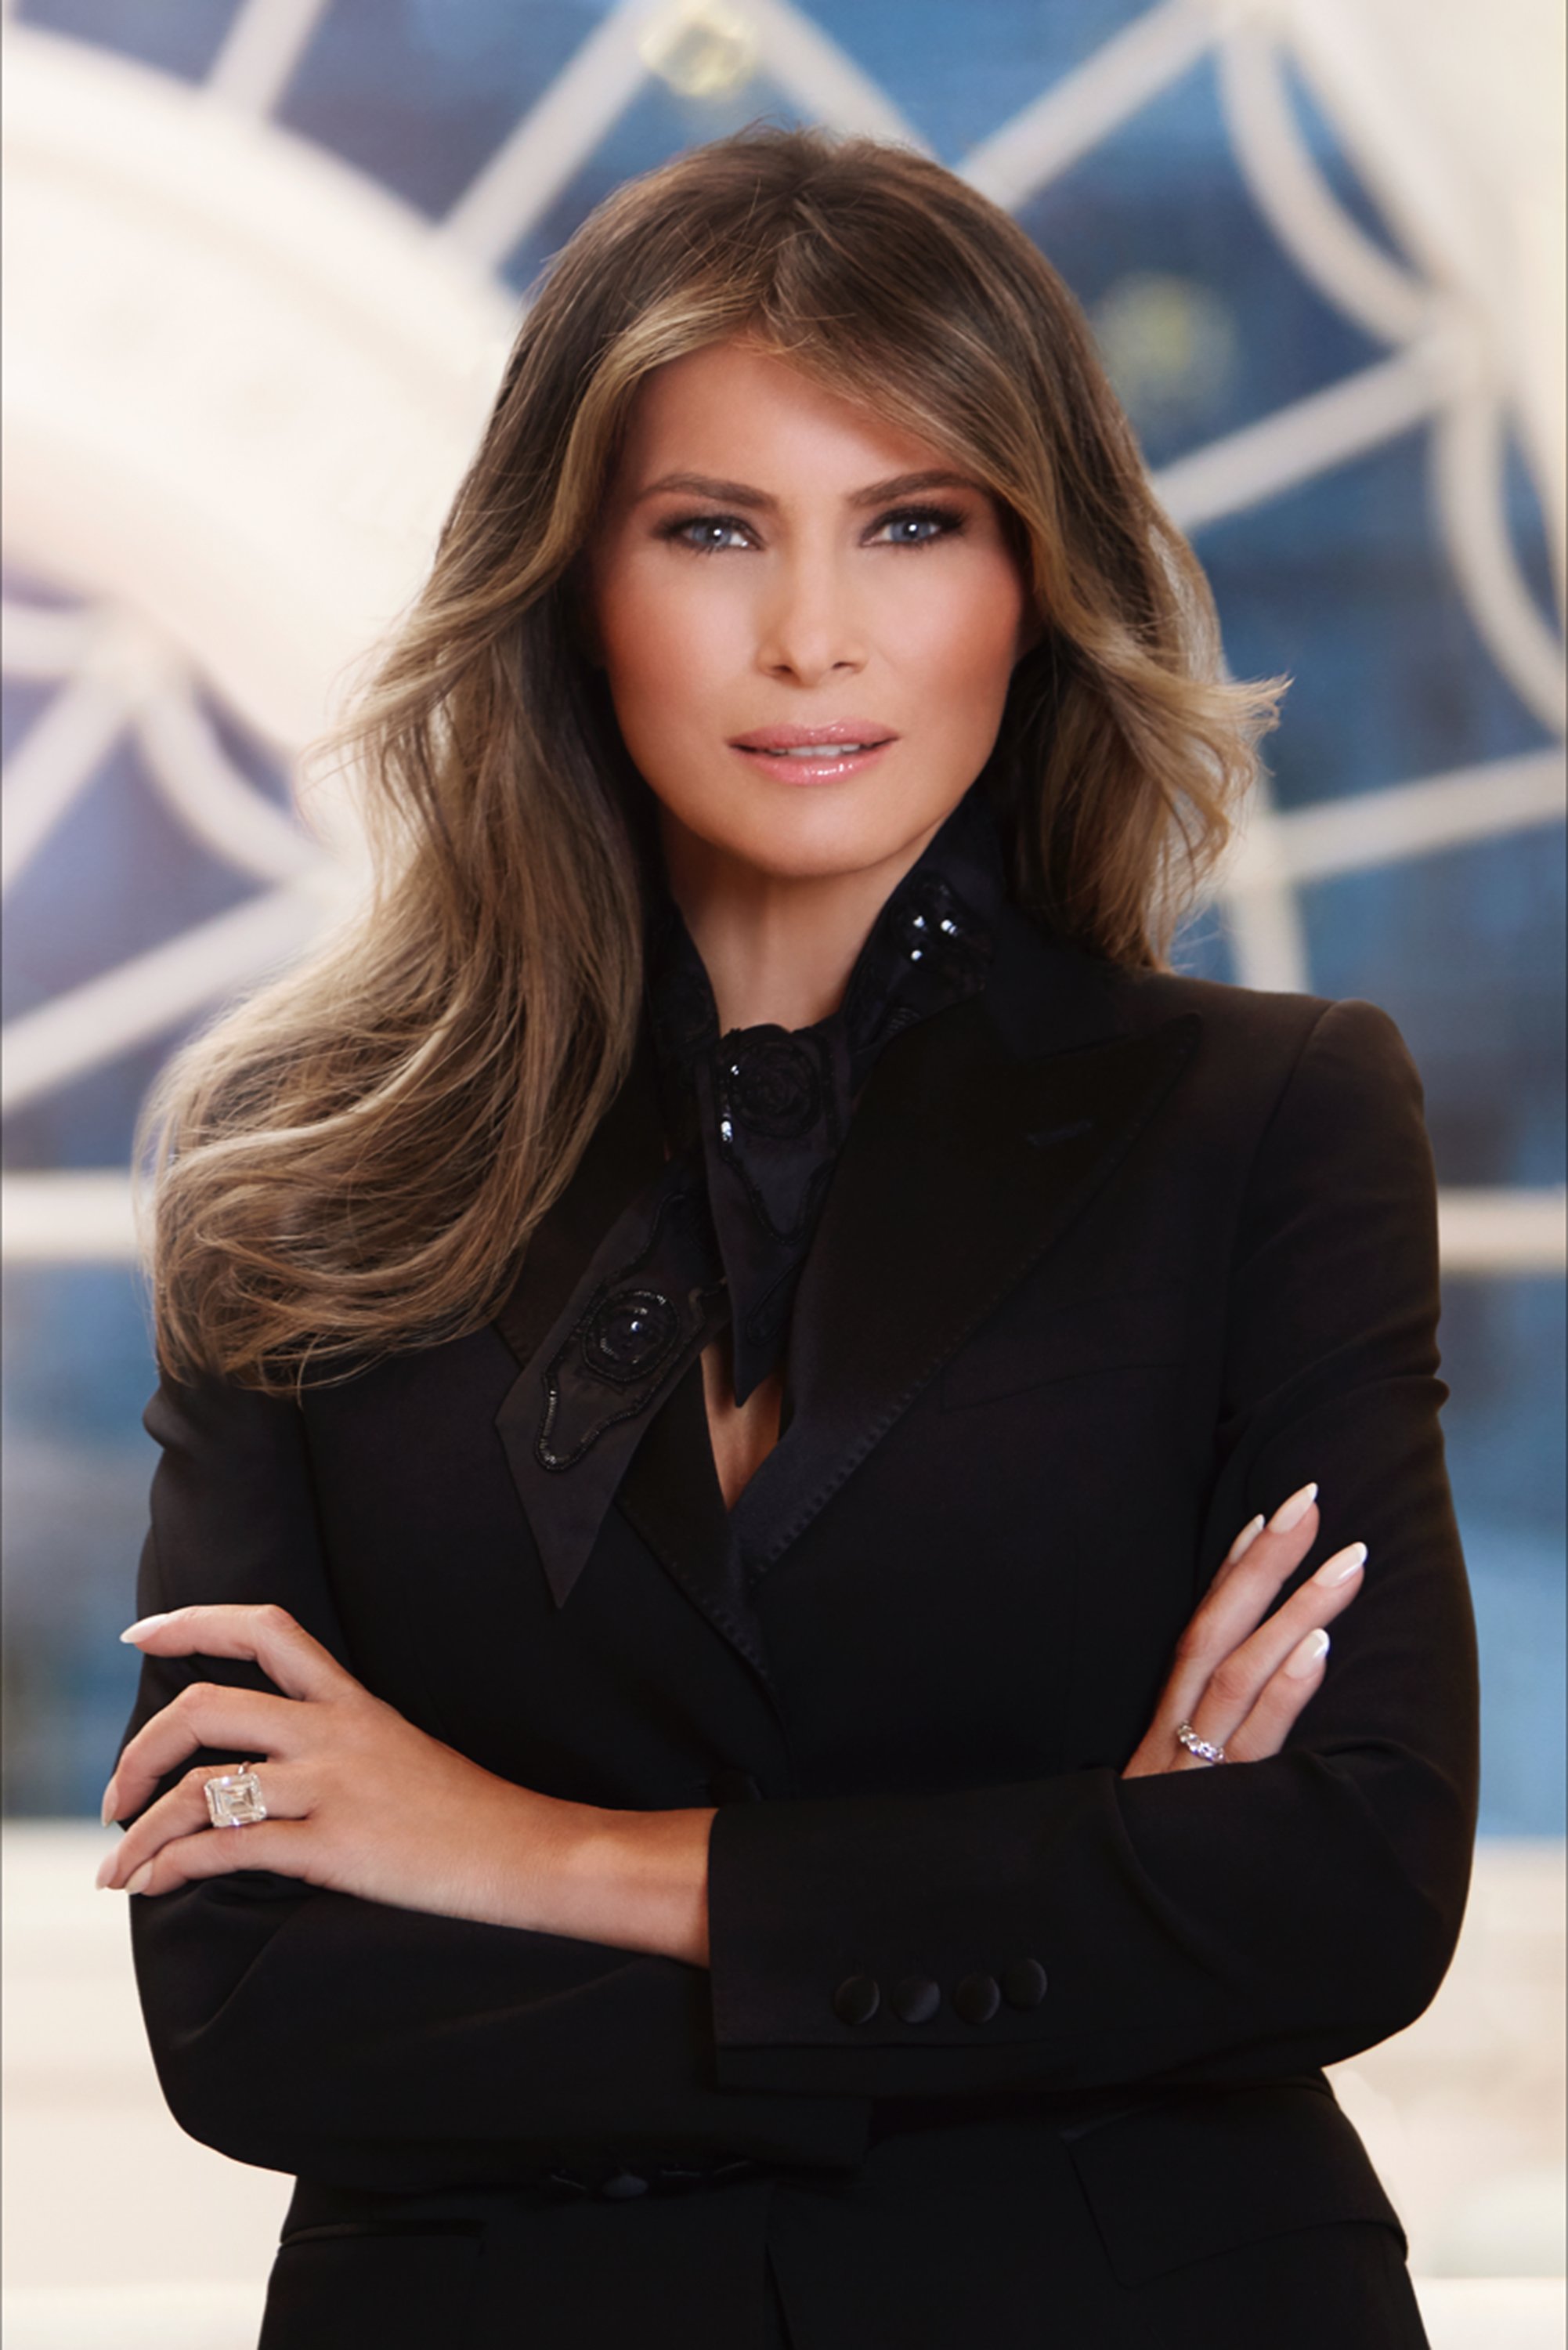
point(1238, 1601)
point(1253, 1571)
point(1238, 1549)
point(288, 1847)
point(266, 1634)
point(230, 1721)
point(182, 1812)
point(1283, 1697)
point(1286, 1518)
point(1239, 1680)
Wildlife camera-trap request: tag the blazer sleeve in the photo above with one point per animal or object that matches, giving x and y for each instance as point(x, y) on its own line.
point(364, 2046)
point(1215, 1925)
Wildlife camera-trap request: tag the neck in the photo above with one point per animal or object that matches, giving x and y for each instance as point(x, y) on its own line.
point(777, 949)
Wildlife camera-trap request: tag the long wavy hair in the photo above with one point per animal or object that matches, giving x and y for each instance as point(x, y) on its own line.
point(348, 1164)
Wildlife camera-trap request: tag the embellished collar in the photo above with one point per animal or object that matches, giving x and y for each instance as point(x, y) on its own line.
point(755, 1119)
point(768, 1107)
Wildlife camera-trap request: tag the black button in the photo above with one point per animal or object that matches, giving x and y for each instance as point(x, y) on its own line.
point(632, 1333)
point(916, 1999)
point(622, 2185)
point(857, 1998)
point(977, 1998)
point(1024, 1983)
point(772, 1083)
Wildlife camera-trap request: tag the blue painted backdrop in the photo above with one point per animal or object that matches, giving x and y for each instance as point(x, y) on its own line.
point(1342, 583)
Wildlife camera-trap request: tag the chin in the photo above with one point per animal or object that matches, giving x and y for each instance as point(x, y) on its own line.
point(813, 832)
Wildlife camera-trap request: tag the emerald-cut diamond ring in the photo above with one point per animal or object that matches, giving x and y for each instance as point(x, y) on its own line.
point(234, 1798)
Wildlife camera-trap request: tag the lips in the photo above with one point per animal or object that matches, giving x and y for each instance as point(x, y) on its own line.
point(836, 734)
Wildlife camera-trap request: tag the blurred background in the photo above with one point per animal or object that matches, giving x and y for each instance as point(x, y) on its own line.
point(264, 259)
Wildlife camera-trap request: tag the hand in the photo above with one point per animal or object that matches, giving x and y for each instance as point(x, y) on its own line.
point(357, 1798)
point(1241, 1680)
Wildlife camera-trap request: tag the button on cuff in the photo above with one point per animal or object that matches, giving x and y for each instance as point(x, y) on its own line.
point(1024, 1983)
point(977, 1998)
point(857, 1998)
point(916, 1999)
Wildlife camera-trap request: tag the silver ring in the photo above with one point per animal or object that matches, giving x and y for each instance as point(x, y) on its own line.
point(234, 1798)
point(1187, 1736)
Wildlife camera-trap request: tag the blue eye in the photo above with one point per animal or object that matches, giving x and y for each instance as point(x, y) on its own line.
point(716, 534)
point(919, 526)
point(704, 533)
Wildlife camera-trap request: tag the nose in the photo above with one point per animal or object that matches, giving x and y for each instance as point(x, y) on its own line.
point(807, 626)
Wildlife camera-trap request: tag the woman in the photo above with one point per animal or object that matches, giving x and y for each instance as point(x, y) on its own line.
point(714, 1354)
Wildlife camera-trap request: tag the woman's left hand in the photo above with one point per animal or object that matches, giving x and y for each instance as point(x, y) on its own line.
point(358, 1800)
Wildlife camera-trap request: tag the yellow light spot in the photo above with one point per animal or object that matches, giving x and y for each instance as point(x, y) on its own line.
point(1170, 343)
point(701, 48)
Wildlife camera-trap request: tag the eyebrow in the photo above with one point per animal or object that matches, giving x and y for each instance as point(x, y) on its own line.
point(741, 493)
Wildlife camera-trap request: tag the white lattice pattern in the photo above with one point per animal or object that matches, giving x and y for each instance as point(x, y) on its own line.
point(274, 412)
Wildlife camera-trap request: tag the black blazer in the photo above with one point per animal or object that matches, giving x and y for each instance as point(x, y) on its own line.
point(996, 2048)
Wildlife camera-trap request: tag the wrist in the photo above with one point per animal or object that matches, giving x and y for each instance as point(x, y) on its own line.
point(634, 1880)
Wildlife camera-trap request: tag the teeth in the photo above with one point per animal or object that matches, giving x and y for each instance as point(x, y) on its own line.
point(820, 750)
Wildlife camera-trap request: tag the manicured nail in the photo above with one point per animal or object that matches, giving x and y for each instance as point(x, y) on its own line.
point(106, 1869)
point(111, 1805)
point(145, 1624)
point(1291, 1514)
point(1301, 1661)
point(137, 1883)
point(1342, 1565)
point(1244, 1540)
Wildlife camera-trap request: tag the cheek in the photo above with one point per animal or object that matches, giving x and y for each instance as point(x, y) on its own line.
point(957, 637)
point(668, 643)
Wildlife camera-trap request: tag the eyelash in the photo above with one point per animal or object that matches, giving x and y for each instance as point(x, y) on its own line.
point(949, 521)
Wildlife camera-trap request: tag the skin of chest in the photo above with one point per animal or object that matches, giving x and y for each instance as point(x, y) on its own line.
point(741, 1435)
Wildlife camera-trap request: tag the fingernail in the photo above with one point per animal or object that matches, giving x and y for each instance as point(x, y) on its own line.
point(1342, 1565)
point(1302, 1659)
point(145, 1624)
point(1291, 1514)
point(109, 1812)
point(106, 1869)
point(137, 1883)
point(1244, 1540)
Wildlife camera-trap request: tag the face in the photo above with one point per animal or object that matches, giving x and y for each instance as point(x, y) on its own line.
point(807, 618)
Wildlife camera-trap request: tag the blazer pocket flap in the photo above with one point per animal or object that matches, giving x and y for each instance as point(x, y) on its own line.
point(1028, 1344)
point(1201, 2175)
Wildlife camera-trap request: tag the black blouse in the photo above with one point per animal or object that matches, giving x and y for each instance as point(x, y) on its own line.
point(755, 1119)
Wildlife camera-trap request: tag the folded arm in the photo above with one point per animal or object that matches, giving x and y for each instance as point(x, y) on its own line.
point(353, 2039)
point(1213, 1924)
point(1240, 1923)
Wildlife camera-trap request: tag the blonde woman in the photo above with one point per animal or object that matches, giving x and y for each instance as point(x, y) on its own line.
point(765, 1415)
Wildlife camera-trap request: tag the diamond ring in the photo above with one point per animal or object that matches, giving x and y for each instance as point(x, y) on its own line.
point(1187, 1736)
point(234, 1798)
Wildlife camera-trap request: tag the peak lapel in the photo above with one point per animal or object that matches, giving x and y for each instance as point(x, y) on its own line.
point(963, 1165)
point(670, 1493)
point(624, 1152)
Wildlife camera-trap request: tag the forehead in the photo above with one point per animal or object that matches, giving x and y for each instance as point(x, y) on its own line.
point(736, 411)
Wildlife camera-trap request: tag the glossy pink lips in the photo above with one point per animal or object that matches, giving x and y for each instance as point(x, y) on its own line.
point(816, 754)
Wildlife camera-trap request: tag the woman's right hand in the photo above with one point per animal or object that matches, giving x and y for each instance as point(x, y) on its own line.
point(1242, 1677)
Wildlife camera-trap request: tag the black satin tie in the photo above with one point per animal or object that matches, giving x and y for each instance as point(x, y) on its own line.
point(755, 1119)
